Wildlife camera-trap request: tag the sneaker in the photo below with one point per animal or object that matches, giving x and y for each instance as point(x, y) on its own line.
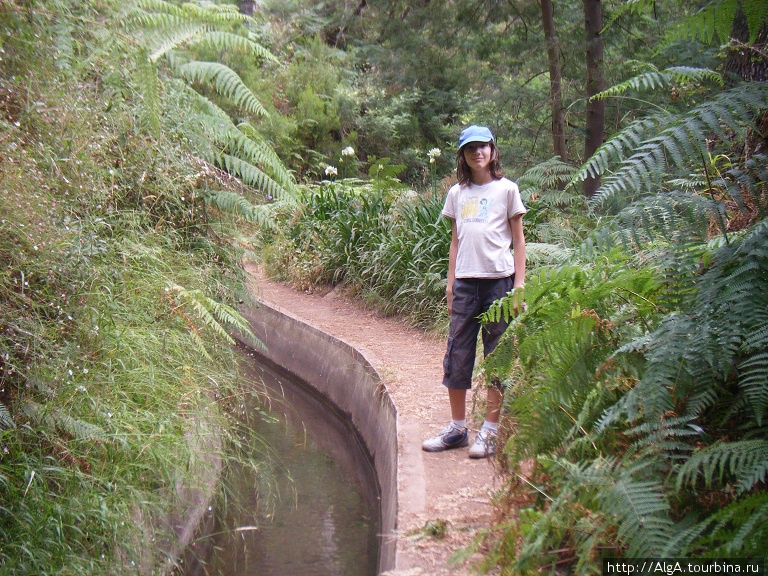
point(451, 437)
point(484, 444)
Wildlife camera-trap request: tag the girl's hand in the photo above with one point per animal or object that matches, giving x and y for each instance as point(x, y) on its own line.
point(518, 303)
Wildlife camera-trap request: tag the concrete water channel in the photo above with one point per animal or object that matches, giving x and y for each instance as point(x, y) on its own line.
point(312, 505)
point(327, 390)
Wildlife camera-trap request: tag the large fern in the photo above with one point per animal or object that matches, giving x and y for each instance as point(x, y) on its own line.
point(63, 422)
point(217, 316)
point(713, 22)
point(238, 149)
point(226, 82)
point(633, 430)
point(745, 463)
point(575, 314)
point(175, 34)
point(682, 142)
point(656, 79)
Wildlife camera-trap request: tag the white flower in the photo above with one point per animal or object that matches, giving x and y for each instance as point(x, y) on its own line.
point(348, 151)
point(434, 153)
point(331, 171)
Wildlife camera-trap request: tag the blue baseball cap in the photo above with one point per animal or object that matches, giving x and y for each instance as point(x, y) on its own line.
point(475, 134)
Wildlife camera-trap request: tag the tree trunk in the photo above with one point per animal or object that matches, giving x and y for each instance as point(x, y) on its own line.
point(593, 23)
point(555, 80)
point(247, 7)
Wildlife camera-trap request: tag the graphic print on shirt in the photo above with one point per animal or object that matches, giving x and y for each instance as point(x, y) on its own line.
point(475, 210)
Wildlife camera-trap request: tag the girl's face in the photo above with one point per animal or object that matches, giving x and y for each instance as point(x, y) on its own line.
point(477, 156)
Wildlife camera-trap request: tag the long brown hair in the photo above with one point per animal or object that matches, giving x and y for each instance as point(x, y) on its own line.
point(464, 173)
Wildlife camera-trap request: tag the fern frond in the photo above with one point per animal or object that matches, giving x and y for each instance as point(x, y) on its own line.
point(6, 420)
point(616, 148)
point(254, 176)
point(216, 13)
point(743, 184)
point(170, 39)
point(756, 12)
point(75, 427)
point(217, 121)
point(655, 433)
point(247, 152)
point(215, 315)
point(235, 42)
point(226, 82)
point(639, 509)
point(633, 7)
point(683, 141)
point(541, 254)
point(753, 382)
point(739, 529)
point(711, 23)
point(251, 146)
point(642, 517)
point(647, 220)
point(233, 202)
point(746, 462)
point(64, 31)
point(656, 79)
point(219, 13)
point(714, 21)
point(551, 174)
point(160, 6)
point(146, 83)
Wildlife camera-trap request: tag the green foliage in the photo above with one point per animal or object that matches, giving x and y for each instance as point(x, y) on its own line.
point(636, 393)
point(110, 371)
point(179, 34)
point(6, 420)
point(746, 461)
point(713, 22)
point(647, 150)
point(655, 79)
point(576, 316)
point(129, 156)
point(391, 246)
point(225, 81)
point(557, 219)
point(216, 315)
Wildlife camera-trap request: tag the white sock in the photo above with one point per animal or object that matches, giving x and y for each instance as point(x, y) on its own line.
point(459, 423)
point(494, 426)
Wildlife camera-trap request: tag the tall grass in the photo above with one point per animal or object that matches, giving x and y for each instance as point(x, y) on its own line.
point(117, 294)
point(384, 243)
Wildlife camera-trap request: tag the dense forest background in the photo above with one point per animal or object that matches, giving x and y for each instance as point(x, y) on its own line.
point(149, 147)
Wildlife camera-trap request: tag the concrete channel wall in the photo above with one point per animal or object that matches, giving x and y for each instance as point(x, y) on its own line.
point(346, 378)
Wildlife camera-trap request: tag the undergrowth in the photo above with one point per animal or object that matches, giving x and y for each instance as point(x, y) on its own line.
point(118, 295)
point(387, 245)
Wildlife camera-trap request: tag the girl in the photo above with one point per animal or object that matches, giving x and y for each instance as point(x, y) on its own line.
point(487, 220)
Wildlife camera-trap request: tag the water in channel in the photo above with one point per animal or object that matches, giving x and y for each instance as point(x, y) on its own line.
point(325, 517)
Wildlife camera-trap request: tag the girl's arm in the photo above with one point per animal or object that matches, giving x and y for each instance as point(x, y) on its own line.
point(518, 253)
point(452, 264)
point(518, 246)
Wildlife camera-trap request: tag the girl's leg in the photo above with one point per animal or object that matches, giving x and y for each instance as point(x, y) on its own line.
point(458, 400)
point(493, 404)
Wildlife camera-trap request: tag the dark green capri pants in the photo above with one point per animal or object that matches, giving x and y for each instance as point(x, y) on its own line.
point(472, 297)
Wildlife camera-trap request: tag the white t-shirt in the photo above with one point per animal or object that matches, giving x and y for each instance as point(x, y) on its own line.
point(482, 216)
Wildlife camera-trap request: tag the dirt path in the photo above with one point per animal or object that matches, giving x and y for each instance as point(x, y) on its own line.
point(432, 488)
